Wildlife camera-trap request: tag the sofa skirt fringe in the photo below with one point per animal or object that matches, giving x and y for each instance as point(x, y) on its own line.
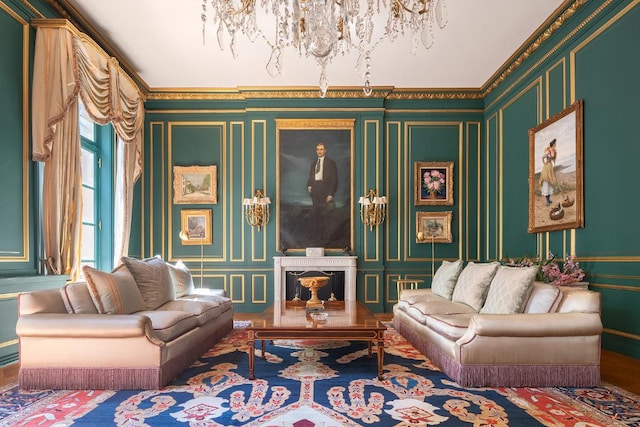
point(119, 378)
point(502, 375)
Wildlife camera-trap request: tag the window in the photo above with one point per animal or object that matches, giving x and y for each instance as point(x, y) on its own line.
point(97, 192)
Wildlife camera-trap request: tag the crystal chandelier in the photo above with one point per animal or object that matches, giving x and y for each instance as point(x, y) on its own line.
point(323, 29)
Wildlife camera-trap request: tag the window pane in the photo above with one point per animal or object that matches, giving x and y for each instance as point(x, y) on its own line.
point(86, 124)
point(88, 208)
point(88, 250)
point(88, 167)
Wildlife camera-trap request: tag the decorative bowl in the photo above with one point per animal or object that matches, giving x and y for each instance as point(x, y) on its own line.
point(319, 317)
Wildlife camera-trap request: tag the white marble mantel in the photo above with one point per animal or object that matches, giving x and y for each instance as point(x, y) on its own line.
point(282, 264)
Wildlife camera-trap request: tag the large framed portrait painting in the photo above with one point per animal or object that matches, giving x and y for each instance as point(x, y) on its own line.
point(556, 172)
point(315, 183)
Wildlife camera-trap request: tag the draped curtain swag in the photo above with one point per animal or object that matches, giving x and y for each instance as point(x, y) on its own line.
point(68, 64)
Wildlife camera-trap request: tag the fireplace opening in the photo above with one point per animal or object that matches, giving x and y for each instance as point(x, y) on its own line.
point(335, 285)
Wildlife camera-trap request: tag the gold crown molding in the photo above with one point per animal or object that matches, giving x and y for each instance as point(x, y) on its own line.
point(499, 77)
point(434, 94)
point(198, 96)
point(29, 6)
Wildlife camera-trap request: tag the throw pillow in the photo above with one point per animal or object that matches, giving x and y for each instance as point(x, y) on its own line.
point(544, 298)
point(181, 279)
point(508, 289)
point(113, 293)
point(473, 284)
point(444, 281)
point(153, 279)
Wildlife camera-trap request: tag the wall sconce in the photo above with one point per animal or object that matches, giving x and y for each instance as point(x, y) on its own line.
point(256, 210)
point(373, 209)
point(184, 236)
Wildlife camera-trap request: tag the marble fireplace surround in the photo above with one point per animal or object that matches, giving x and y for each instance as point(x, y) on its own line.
point(282, 264)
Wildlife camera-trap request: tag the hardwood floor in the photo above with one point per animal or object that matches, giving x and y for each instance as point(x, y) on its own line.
point(617, 369)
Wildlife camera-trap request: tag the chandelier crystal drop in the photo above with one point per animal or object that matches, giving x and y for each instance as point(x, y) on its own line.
point(323, 29)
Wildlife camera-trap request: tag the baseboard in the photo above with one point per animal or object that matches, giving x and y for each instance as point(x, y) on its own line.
point(9, 373)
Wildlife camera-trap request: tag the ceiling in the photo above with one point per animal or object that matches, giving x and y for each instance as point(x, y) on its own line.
point(162, 42)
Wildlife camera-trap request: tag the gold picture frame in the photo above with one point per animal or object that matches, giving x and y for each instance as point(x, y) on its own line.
point(305, 221)
point(195, 185)
point(434, 227)
point(556, 172)
point(433, 183)
point(196, 227)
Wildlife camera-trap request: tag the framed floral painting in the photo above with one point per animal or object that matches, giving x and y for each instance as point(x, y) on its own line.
point(433, 183)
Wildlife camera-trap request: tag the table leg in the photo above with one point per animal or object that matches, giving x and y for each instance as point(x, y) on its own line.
point(262, 349)
point(370, 345)
point(380, 356)
point(252, 350)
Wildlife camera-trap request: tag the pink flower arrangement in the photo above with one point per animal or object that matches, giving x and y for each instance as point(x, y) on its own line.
point(433, 181)
point(549, 271)
point(571, 272)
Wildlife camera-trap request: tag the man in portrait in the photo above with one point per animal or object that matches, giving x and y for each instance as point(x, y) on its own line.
point(322, 184)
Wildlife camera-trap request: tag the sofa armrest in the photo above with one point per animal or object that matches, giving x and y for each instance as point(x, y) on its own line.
point(533, 325)
point(84, 326)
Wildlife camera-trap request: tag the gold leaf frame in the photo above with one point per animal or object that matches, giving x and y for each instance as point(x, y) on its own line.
point(435, 226)
point(195, 184)
point(421, 197)
point(566, 210)
point(196, 225)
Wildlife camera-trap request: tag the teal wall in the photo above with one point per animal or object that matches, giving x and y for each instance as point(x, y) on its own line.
point(591, 55)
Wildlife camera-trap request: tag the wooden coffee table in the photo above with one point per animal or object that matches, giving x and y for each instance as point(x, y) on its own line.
point(349, 321)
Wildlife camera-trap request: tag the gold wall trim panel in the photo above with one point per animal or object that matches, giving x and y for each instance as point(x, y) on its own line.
point(197, 111)
point(615, 287)
point(35, 11)
point(8, 343)
point(401, 195)
point(8, 296)
point(593, 36)
point(377, 288)
point(10, 255)
point(366, 185)
point(263, 278)
point(621, 334)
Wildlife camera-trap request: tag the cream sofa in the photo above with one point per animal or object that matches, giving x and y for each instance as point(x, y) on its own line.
point(134, 328)
point(494, 326)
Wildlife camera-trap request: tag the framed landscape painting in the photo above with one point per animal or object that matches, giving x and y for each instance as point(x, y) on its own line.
point(433, 227)
point(433, 183)
point(314, 167)
point(195, 184)
point(556, 172)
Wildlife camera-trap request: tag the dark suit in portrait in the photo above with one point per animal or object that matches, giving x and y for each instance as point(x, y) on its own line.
point(322, 185)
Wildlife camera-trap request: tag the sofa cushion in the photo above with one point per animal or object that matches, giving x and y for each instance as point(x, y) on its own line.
point(442, 306)
point(181, 279)
point(204, 311)
point(444, 281)
point(411, 296)
point(77, 298)
point(451, 326)
point(169, 324)
point(544, 298)
point(115, 292)
point(473, 284)
point(211, 295)
point(153, 279)
point(509, 289)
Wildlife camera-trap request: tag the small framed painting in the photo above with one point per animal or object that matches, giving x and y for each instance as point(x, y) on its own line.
point(434, 183)
point(196, 227)
point(433, 227)
point(195, 185)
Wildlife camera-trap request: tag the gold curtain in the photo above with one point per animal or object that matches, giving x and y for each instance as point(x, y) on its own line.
point(68, 64)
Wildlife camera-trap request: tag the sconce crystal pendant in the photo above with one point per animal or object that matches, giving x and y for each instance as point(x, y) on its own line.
point(373, 209)
point(256, 210)
point(324, 29)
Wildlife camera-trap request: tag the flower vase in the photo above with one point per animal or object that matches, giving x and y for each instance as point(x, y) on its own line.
point(433, 195)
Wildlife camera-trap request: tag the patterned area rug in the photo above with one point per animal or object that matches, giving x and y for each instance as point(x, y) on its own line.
point(314, 384)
